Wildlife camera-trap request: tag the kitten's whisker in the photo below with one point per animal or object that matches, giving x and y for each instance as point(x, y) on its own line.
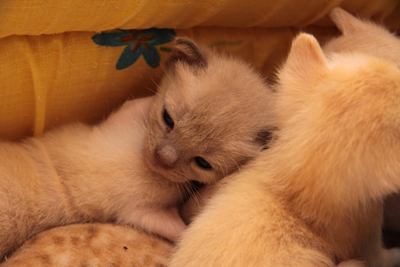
point(178, 185)
point(196, 197)
point(143, 126)
point(384, 16)
point(223, 161)
point(184, 188)
point(141, 109)
point(222, 169)
point(226, 168)
point(236, 152)
point(157, 84)
point(151, 90)
point(237, 165)
point(169, 77)
point(131, 95)
point(187, 189)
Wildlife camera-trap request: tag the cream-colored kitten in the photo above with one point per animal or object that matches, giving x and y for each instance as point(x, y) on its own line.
point(363, 36)
point(133, 168)
point(369, 38)
point(212, 114)
point(357, 36)
point(315, 197)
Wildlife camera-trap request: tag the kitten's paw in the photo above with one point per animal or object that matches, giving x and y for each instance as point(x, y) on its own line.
point(163, 222)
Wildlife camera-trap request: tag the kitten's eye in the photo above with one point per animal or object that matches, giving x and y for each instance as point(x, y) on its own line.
point(202, 163)
point(168, 120)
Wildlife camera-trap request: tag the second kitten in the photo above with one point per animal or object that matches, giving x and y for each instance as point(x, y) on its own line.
point(212, 114)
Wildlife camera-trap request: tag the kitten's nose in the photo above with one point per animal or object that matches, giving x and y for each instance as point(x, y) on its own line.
point(166, 155)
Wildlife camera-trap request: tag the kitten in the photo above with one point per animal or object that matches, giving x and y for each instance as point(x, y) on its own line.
point(212, 114)
point(364, 37)
point(314, 198)
point(357, 36)
point(92, 245)
point(369, 38)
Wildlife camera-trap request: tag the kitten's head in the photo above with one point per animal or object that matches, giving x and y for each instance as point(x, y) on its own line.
point(212, 113)
point(340, 121)
point(363, 36)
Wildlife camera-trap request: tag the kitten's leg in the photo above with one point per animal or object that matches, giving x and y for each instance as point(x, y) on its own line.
point(165, 222)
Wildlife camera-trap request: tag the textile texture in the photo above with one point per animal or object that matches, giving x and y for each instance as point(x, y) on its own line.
point(65, 61)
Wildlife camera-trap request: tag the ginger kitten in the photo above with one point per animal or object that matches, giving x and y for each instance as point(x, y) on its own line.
point(358, 35)
point(367, 37)
point(315, 197)
point(212, 114)
point(92, 244)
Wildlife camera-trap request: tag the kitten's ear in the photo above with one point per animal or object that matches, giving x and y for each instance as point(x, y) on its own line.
point(265, 137)
point(345, 22)
point(306, 57)
point(187, 52)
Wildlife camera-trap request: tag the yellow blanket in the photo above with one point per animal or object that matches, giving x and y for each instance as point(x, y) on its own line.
point(64, 61)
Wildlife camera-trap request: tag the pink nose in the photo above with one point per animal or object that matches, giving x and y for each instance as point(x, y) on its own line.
point(166, 155)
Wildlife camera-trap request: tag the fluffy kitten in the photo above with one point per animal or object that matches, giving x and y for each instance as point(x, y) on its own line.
point(364, 37)
point(204, 122)
point(369, 38)
point(357, 36)
point(315, 197)
point(92, 245)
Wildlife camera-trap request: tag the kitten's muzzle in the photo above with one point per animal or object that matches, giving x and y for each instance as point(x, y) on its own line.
point(166, 156)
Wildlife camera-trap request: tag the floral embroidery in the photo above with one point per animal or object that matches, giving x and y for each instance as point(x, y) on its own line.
point(139, 42)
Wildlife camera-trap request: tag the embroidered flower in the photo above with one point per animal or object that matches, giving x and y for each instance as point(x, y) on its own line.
point(139, 42)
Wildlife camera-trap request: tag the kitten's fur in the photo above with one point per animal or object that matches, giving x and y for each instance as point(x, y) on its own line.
point(315, 197)
point(368, 38)
point(133, 167)
point(363, 36)
point(220, 107)
point(92, 245)
point(357, 36)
